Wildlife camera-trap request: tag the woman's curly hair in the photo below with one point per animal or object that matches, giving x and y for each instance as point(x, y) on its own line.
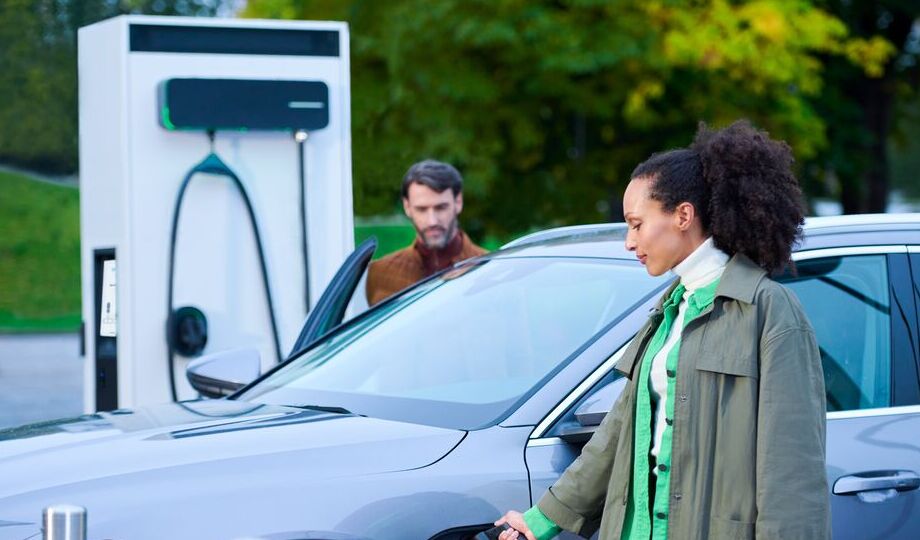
point(741, 184)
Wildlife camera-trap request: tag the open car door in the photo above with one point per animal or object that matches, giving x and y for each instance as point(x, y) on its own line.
point(330, 310)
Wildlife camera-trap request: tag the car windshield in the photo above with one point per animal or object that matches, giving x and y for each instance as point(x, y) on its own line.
point(461, 349)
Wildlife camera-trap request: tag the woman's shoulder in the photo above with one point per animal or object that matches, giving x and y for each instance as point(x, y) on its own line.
point(779, 308)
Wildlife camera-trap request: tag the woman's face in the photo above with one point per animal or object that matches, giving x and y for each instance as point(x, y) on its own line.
point(659, 238)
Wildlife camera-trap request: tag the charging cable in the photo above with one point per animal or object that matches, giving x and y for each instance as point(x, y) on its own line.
point(212, 164)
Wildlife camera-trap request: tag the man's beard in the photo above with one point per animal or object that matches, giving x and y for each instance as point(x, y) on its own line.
point(443, 240)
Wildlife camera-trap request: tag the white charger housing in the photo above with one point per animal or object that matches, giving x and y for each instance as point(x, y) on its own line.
point(131, 168)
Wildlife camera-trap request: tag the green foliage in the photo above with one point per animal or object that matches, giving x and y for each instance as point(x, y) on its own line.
point(38, 85)
point(862, 106)
point(546, 106)
point(38, 82)
point(39, 255)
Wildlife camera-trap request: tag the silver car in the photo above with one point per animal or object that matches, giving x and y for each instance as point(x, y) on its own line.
point(466, 395)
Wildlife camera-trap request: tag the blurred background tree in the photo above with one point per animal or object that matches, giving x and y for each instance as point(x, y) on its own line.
point(864, 113)
point(546, 106)
point(38, 82)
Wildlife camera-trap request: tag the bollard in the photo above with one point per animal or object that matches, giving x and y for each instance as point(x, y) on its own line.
point(64, 522)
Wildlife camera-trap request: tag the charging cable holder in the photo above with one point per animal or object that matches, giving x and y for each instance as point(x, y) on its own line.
point(187, 327)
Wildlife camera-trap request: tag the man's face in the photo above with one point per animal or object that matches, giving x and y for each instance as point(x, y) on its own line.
point(433, 214)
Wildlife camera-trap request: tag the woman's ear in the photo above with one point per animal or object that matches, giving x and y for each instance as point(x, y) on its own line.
point(684, 215)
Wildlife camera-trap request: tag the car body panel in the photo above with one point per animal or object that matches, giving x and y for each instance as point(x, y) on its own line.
point(874, 444)
point(546, 460)
point(264, 461)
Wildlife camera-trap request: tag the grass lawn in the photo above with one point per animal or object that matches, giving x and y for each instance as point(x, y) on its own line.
point(392, 234)
point(39, 256)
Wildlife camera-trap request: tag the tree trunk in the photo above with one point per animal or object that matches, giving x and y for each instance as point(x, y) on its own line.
point(851, 194)
point(876, 97)
point(879, 101)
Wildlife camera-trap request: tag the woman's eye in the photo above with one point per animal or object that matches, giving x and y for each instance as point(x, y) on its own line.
point(636, 226)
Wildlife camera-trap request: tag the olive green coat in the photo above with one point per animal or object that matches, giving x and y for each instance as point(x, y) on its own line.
point(748, 433)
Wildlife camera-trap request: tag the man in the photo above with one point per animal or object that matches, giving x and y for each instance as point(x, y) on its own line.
point(432, 195)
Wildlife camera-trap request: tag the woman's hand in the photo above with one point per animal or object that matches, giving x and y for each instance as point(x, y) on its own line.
point(519, 527)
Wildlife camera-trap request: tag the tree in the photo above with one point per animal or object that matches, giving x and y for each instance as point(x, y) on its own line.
point(38, 112)
point(546, 106)
point(861, 107)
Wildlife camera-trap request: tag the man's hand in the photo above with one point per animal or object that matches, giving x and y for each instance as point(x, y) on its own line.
point(519, 527)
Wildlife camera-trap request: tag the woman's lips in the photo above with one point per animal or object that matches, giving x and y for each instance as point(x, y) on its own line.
point(642, 258)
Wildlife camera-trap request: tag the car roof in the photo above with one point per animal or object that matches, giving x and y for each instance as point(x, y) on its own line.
point(606, 240)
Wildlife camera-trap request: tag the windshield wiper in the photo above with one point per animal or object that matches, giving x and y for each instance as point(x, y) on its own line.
point(324, 408)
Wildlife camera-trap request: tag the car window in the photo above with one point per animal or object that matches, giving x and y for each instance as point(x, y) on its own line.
point(459, 350)
point(847, 301)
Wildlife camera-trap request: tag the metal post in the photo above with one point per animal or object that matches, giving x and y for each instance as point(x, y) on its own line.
point(64, 522)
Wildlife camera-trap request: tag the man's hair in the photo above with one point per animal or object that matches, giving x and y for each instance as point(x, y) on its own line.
point(437, 175)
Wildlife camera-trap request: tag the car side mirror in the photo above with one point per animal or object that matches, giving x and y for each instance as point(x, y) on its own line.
point(592, 412)
point(223, 373)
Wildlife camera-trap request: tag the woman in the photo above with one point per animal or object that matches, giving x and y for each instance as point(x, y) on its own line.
point(720, 431)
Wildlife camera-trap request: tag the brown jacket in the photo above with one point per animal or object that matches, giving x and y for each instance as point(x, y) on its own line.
point(400, 269)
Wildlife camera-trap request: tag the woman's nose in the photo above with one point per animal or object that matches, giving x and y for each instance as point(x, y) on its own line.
point(630, 243)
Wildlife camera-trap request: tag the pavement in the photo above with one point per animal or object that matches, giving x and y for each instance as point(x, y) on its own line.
point(41, 378)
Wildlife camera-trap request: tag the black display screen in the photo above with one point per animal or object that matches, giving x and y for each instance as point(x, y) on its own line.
point(243, 104)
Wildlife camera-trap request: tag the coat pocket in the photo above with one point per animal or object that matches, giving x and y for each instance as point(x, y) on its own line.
point(738, 366)
point(730, 529)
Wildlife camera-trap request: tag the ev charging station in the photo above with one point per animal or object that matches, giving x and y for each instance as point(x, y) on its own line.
point(215, 193)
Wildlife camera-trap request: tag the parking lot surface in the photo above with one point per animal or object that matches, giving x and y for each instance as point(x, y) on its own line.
point(41, 378)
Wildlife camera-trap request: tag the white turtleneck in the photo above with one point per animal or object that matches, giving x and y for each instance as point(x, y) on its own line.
point(700, 268)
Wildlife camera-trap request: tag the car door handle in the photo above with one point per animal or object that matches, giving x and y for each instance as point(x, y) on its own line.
point(874, 480)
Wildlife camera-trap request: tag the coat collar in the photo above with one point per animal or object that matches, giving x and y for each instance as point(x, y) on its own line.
point(740, 279)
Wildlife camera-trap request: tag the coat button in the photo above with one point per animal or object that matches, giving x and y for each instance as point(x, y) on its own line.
point(671, 373)
point(663, 467)
point(660, 515)
point(677, 496)
point(683, 398)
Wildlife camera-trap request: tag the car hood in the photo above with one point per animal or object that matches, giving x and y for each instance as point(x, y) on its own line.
point(188, 445)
